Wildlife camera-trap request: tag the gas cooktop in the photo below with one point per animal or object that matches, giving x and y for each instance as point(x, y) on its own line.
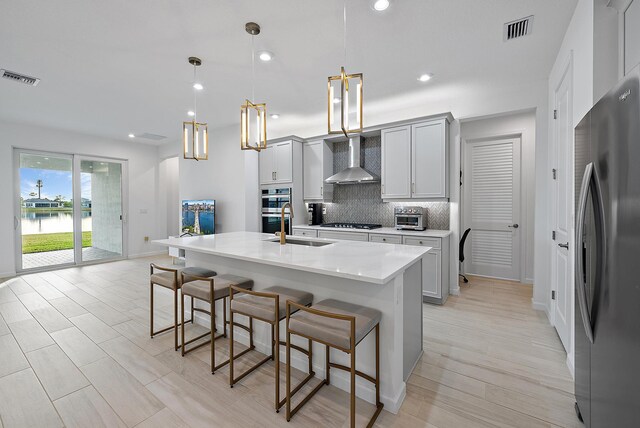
point(352, 225)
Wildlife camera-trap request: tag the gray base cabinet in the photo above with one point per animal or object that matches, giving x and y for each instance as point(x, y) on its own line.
point(435, 264)
point(435, 268)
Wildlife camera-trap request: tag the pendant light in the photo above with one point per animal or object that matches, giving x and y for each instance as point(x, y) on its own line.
point(253, 116)
point(344, 96)
point(195, 138)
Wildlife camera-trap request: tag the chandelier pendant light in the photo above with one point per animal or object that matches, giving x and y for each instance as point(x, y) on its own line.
point(344, 96)
point(195, 136)
point(253, 116)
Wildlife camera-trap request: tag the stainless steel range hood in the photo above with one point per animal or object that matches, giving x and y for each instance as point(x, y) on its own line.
point(355, 173)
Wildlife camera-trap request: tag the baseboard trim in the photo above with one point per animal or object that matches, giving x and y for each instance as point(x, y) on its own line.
point(9, 274)
point(148, 254)
point(340, 379)
point(571, 366)
point(539, 306)
point(454, 291)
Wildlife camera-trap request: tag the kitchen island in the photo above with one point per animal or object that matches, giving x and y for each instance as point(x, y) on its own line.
point(381, 276)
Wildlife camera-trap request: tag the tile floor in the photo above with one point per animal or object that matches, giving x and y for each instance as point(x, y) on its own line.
point(75, 352)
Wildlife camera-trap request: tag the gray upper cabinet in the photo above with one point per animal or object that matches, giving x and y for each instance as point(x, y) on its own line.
point(317, 160)
point(429, 160)
point(276, 163)
point(396, 163)
point(415, 161)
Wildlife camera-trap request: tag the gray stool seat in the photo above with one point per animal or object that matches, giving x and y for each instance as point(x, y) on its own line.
point(202, 289)
point(263, 307)
point(333, 331)
point(168, 279)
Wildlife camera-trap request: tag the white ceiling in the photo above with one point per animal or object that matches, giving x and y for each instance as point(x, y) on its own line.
point(113, 67)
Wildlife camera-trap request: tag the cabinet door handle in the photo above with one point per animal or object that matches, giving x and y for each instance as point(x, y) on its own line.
point(565, 246)
point(413, 187)
point(320, 190)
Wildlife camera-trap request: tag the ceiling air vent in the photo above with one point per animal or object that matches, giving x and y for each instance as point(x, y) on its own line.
point(17, 77)
point(518, 28)
point(154, 137)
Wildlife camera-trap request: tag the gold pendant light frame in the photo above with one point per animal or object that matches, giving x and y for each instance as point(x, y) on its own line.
point(346, 83)
point(260, 112)
point(199, 131)
point(247, 140)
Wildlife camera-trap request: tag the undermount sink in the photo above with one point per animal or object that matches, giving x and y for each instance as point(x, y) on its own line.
point(304, 242)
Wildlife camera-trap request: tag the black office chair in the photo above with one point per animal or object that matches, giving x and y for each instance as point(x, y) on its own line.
point(461, 252)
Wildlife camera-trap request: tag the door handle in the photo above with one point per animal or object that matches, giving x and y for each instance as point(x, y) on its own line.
point(16, 223)
point(565, 246)
point(515, 225)
point(580, 284)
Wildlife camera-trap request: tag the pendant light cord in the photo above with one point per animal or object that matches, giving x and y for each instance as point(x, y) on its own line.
point(195, 95)
point(344, 30)
point(253, 72)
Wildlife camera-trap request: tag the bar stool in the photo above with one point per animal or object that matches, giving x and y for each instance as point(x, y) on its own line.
point(268, 306)
point(171, 279)
point(210, 290)
point(341, 326)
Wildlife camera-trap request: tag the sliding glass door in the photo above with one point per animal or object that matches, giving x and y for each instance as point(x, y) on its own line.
point(69, 209)
point(45, 227)
point(101, 202)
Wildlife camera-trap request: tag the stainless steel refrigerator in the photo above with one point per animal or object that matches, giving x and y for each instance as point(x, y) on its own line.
point(607, 276)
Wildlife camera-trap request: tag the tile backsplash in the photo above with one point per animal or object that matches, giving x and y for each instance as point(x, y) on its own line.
point(361, 203)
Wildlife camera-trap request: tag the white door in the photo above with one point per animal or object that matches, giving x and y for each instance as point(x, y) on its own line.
point(283, 156)
point(428, 160)
point(312, 168)
point(492, 208)
point(562, 200)
point(396, 162)
point(267, 170)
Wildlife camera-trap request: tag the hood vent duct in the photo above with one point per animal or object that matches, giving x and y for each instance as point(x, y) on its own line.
point(355, 173)
point(20, 78)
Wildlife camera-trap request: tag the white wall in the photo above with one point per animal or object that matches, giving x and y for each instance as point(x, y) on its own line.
point(168, 199)
point(229, 176)
point(578, 47)
point(142, 173)
point(525, 125)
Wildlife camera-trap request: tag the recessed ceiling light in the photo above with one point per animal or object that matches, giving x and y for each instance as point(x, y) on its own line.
point(425, 77)
point(380, 5)
point(265, 56)
point(191, 113)
point(198, 86)
point(131, 135)
point(336, 100)
point(275, 116)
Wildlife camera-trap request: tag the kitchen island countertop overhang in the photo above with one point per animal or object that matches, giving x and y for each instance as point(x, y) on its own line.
point(361, 261)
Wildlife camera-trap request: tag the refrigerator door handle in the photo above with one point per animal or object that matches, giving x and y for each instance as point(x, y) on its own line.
point(581, 291)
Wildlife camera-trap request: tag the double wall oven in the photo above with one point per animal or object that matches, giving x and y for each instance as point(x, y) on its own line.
point(272, 202)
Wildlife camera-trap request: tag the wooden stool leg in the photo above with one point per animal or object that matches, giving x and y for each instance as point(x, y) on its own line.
point(288, 375)
point(212, 304)
point(192, 312)
point(353, 388)
point(276, 349)
point(327, 368)
point(182, 319)
point(151, 311)
point(175, 318)
point(377, 364)
point(231, 345)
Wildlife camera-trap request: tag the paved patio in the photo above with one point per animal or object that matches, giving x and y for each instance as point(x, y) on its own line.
point(52, 258)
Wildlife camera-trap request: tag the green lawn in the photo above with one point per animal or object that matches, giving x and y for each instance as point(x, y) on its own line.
point(42, 242)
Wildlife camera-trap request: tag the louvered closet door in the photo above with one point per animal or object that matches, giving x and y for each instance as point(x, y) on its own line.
point(492, 208)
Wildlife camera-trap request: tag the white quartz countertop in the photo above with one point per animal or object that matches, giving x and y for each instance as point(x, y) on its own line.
point(362, 261)
point(429, 233)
